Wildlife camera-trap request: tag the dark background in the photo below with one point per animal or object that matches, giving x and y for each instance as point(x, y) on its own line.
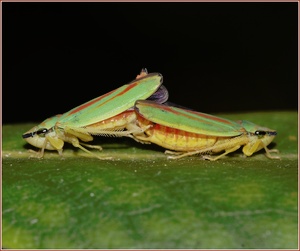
point(215, 57)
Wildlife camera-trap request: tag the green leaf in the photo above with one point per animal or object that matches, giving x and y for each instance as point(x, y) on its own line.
point(140, 199)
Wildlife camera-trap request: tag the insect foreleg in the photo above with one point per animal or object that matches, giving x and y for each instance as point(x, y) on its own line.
point(39, 154)
point(250, 148)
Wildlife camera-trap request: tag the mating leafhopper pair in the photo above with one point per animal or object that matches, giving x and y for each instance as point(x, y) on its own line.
point(140, 110)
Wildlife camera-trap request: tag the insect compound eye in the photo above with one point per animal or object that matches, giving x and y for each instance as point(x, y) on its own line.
point(42, 132)
point(260, 133)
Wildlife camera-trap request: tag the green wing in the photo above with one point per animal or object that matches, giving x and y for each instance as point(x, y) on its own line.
point(187, 120)
point(112, 103)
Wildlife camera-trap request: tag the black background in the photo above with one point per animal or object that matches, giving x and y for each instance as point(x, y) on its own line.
point(214, 57)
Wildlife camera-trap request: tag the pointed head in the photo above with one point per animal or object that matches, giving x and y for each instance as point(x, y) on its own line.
point(264, 134)
point(36, 136)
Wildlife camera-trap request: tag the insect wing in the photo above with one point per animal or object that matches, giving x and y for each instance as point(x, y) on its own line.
point(187, 120)
point(112, 103)
point(160, 96)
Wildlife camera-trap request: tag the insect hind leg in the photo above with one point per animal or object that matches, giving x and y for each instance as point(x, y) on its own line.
point(92, 146)
point(75, 142)
point(173, 152)
point(207, 157)
point(221, 155)
point(179, 155)
point(91, 153)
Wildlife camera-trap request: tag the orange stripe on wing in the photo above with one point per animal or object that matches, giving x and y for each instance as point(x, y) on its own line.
point(85, 105)
point(204, 115)
point(212, 117)
point(129, 87)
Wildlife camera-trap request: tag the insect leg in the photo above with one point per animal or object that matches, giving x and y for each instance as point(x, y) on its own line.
point(268, 151)
point(92, 146)
point(223, 154)
point(173, 152)
point(38, 154)
point(89, 152)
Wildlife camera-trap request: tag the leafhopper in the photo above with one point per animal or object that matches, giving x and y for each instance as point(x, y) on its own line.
point(187, 132)
point(111, 114)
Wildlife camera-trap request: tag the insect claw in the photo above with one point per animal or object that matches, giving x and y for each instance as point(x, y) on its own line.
point(271, 157)
point(268, 151)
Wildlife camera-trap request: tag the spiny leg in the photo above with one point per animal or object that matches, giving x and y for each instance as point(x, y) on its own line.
point(131, 129)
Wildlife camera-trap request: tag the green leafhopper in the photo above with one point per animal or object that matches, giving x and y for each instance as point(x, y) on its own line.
point(188, 132)
point(110, 114)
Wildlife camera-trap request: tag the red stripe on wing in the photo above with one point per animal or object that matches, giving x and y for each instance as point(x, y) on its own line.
point(85, 105)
